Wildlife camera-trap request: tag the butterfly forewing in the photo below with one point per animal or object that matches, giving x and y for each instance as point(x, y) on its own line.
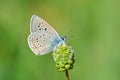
point(37, 24)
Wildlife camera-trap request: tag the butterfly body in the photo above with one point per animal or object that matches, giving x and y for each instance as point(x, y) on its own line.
point(43, 38)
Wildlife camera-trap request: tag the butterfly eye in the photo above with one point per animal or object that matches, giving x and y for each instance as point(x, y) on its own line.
point(63, 38)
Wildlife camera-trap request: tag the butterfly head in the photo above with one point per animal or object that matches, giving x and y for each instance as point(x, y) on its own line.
point(63, 38)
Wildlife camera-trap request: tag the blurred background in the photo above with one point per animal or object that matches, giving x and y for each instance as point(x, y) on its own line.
point(92, 28)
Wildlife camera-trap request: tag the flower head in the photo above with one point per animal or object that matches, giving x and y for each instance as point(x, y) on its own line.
point(63, 57)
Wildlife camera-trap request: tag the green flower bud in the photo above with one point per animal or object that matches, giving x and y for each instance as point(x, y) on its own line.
point(70, 61)
point(61, 69)
point(67, 66)
point(63, 57)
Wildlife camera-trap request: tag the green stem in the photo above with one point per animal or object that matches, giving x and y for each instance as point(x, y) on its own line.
point(66, 75)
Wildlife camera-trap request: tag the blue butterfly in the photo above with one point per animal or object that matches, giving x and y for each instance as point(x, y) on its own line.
point(43, 38)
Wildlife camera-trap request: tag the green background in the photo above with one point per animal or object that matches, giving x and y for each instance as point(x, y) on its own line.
point(92, 28)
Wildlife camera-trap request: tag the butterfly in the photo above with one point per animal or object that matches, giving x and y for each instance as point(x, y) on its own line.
point(43, 38)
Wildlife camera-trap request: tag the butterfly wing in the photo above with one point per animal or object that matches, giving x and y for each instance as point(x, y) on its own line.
point(43, 38)
point(40, 44)
point(37, 24)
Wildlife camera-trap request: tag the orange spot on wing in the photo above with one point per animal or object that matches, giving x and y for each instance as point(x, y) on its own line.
point(35, 47)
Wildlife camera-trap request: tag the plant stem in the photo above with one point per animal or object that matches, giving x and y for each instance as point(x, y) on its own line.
point(66, 75)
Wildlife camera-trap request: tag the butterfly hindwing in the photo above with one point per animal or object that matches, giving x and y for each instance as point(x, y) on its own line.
point(40, 43)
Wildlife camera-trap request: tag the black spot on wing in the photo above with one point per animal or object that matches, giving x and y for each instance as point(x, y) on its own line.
point(45, 29)
point(43, 34)
point(37, 41)
point(44, 41)
point(36, 38)
point(39, 28)
point(39, 23)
